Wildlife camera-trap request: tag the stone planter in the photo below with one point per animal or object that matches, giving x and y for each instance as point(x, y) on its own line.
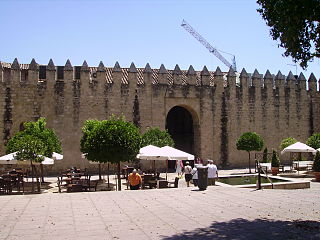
point(317, 176)
point(274, 170)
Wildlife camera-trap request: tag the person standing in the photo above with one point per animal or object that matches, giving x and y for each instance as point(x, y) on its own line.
point(187, 173)
point(134, 179)
point(212, 173)
point(194, 174)
point(179, 167)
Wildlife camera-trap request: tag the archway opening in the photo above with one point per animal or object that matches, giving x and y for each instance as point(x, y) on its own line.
point(179, 124)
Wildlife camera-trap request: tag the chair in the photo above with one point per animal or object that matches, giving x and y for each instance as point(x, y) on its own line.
point(3, 187)
point(59, 183)
point(93, 186)
point(174, 184)
point(149, 180)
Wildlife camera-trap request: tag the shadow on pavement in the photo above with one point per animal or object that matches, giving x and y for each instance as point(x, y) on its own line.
point(241, 229)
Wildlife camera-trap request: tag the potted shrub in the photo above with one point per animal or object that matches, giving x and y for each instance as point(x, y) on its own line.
point(265, 156)
point(316, 166)
point(275, 163)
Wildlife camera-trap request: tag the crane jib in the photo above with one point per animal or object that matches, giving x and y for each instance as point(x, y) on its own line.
point(211, 49)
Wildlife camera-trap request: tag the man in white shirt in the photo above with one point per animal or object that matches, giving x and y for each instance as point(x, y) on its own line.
point(194, 173)
point(212, 173)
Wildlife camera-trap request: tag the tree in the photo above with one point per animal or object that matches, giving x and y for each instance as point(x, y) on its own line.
point(296, 24)
point(155, 136)
point(316, 163)
point(114, 140)
point(33, 143)
point(265, 155)
point(38, 131)
point(275, 162)
point(286, 142)
point(250, 141)
point(314, 141)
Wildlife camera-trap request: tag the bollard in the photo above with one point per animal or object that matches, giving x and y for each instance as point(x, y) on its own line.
point(202, 177)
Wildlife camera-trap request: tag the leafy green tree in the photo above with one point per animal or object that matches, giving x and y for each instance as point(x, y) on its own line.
point(155, 136)
point(265, 155)
point(286, 142)
point(316, 163)
point(250, 141)
point(33, 143)
point(314, 141)
point(114, 140)
point(296, 24)
point(275, 162)
point(37, 130)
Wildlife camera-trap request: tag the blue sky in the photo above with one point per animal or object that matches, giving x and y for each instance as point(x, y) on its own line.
point(140, 31)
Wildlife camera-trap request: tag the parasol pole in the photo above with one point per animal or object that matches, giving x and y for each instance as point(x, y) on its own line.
point(167, 170)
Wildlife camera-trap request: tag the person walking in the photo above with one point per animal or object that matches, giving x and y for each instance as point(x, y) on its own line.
point(179, 167)
point(212, 173)
point(187, 173)
point(194, 174)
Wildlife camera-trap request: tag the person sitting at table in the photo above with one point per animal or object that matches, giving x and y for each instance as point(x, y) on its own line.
point(134, 179)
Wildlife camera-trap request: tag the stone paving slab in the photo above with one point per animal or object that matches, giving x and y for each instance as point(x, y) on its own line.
point(183, 213)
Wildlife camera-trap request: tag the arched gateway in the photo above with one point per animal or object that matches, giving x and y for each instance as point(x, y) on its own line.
point(183, 128)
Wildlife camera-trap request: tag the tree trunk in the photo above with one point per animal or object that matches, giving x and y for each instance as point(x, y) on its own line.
point(41, 173)
point(119, 177)
point(108, 175)
point(32, 180)
point(38, 182)
point(249, 163)
point(100, 172)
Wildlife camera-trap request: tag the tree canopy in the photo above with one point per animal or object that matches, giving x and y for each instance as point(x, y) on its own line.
point(286, 142)
point(295, 23)
point(250, 141)
point(114, 140)
point(314, 141)
point(34, 142)
point(275, 162)
point(155, 136)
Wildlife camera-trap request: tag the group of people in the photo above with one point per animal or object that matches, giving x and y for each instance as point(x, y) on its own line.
point(135, 180)
point(192, 173)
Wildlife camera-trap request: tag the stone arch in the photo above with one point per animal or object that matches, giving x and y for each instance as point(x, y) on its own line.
point(182, 123)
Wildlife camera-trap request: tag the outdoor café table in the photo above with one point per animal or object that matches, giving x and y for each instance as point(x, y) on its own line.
point(148, 179)
point(76, 184)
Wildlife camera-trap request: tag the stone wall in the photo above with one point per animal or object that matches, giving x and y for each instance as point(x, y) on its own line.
point(222, 105)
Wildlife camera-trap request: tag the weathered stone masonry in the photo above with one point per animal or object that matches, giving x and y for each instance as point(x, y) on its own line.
point(222, 107)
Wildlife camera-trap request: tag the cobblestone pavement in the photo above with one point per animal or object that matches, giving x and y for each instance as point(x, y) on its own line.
point(183, 213)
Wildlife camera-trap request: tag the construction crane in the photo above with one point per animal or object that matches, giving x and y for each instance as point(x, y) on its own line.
point(211, 49)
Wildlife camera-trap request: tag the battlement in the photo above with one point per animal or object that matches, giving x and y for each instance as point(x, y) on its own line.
point(217, 106)
point(50, 72)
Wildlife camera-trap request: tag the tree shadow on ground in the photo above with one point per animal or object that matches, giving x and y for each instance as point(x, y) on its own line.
point(262, 229)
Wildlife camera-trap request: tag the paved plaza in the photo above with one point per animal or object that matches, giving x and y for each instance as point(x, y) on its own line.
point(169, 214)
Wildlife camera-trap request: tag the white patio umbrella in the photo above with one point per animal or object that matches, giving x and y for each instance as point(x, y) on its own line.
point(176, 154)
point(57, 156)
point(299, 147)
point(11, 159)
point(8, 159)
point(151, 152)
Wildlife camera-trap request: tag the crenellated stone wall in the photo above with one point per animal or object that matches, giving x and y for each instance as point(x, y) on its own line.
point(222, 105)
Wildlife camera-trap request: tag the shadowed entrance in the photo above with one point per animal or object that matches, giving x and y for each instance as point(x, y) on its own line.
point(179, 123)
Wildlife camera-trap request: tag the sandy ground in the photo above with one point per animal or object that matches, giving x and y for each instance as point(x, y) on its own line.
point(183, 213)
